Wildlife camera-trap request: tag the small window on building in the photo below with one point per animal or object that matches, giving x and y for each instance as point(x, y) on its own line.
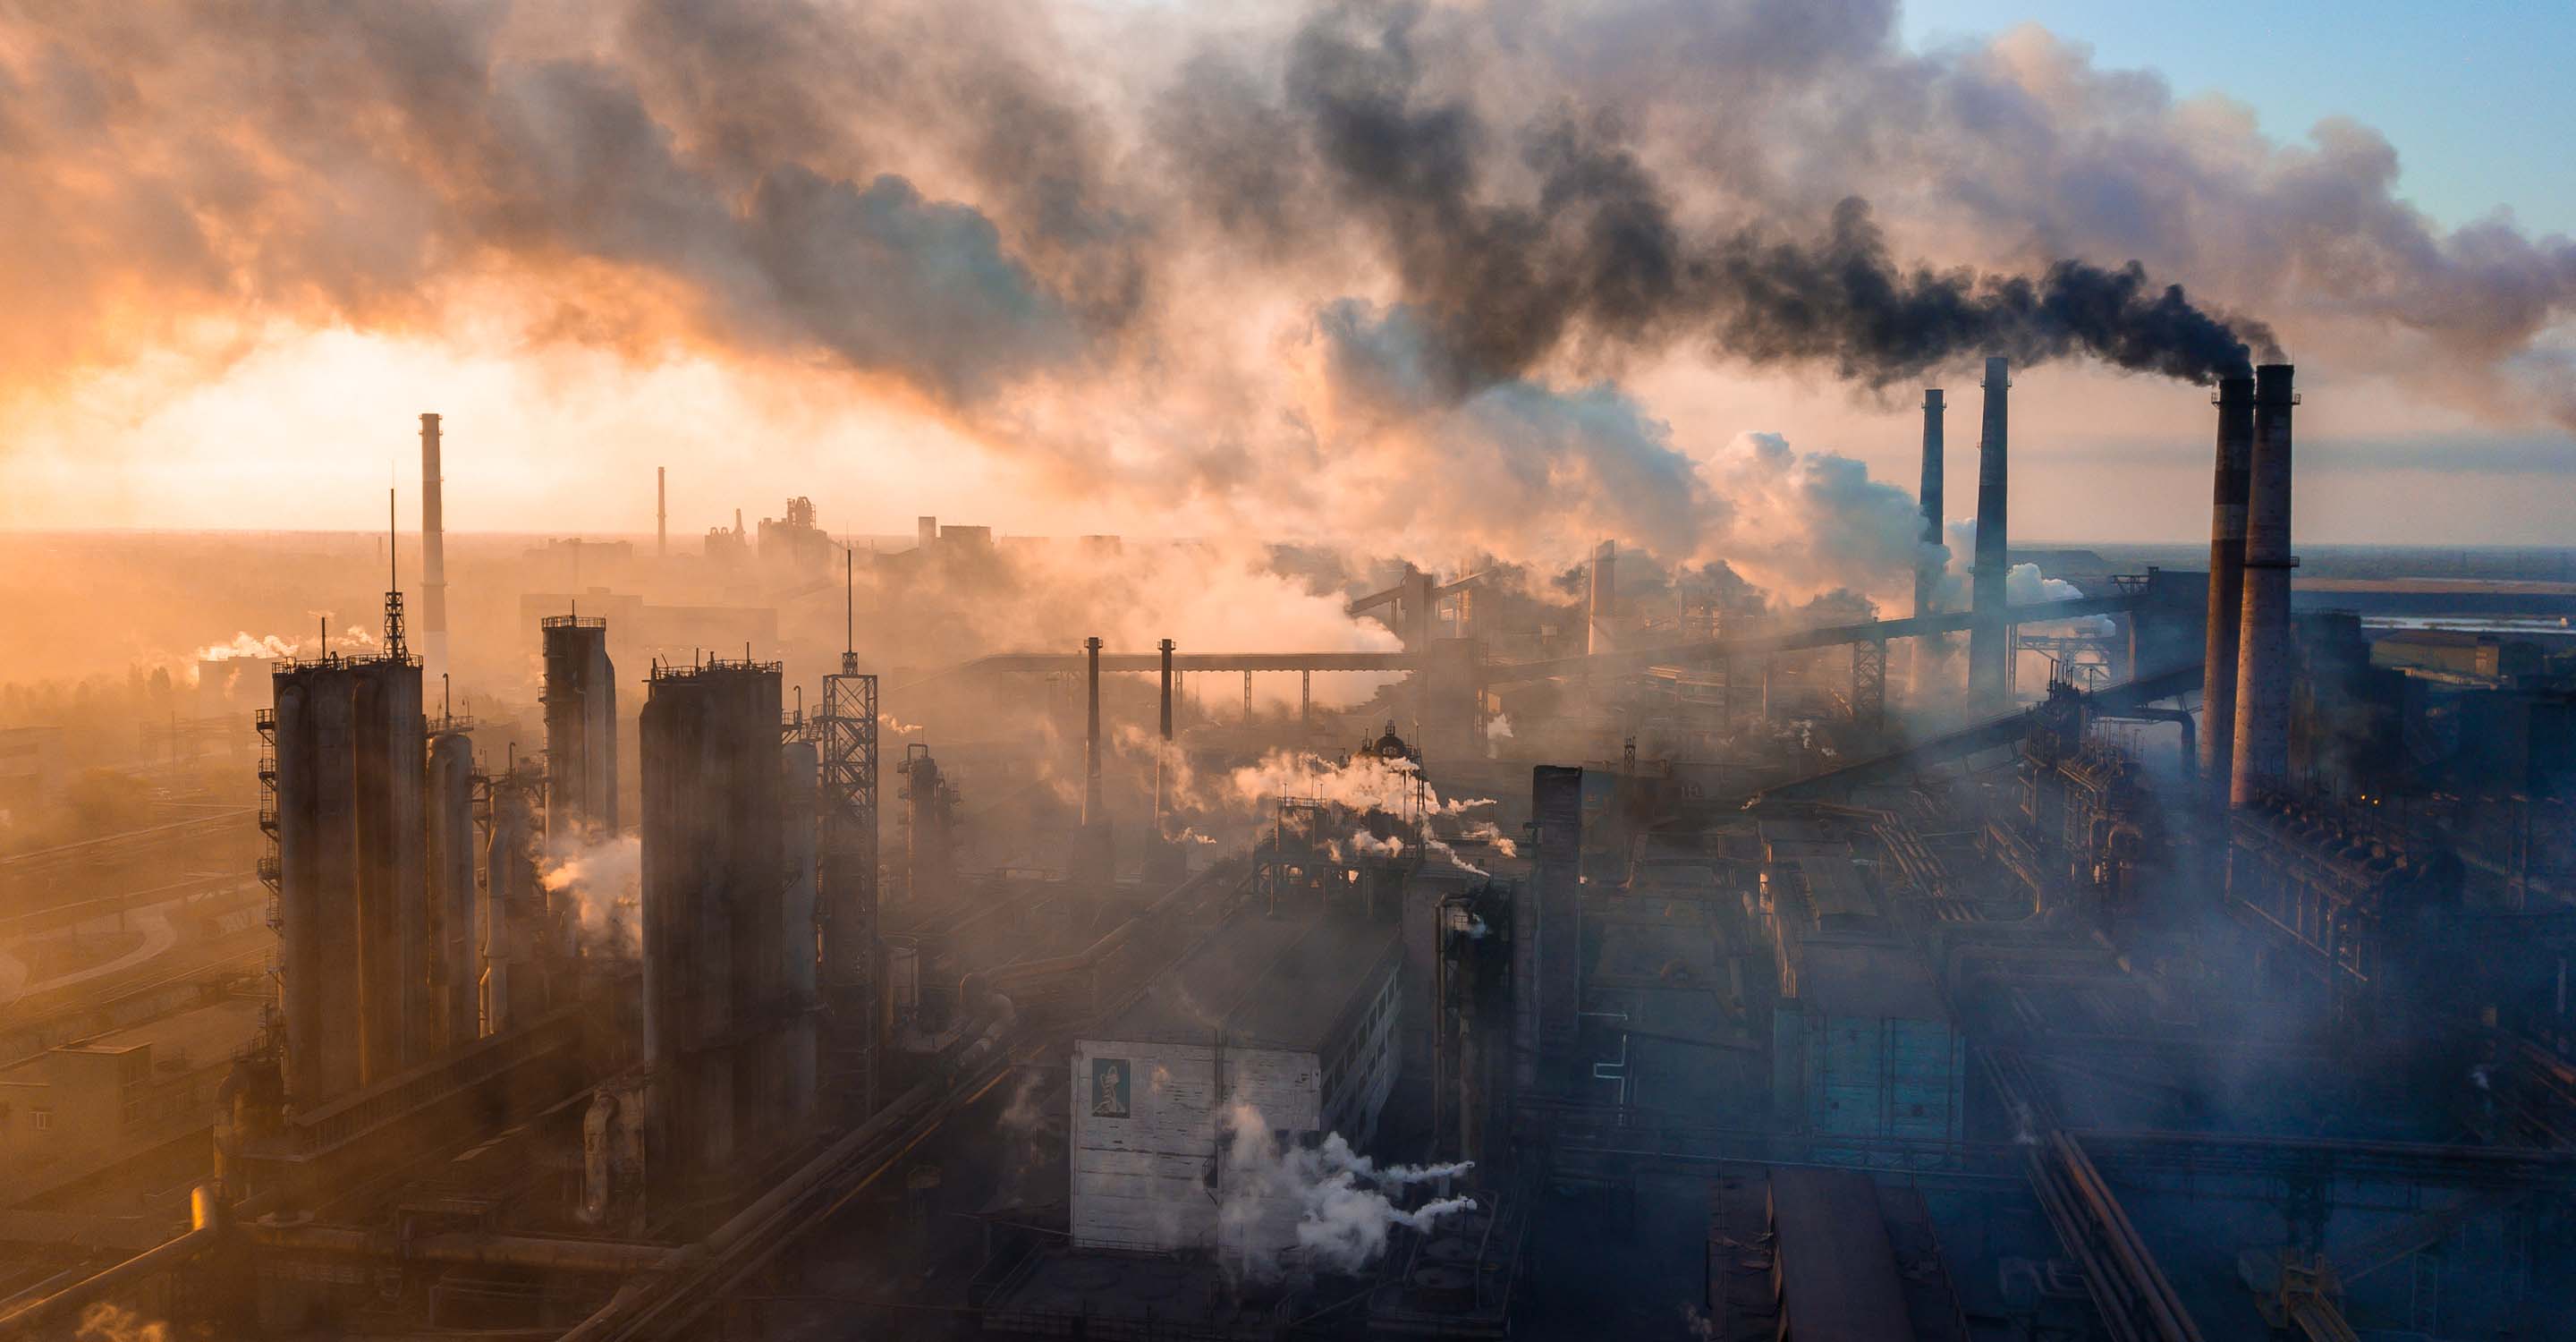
point(42, 1118)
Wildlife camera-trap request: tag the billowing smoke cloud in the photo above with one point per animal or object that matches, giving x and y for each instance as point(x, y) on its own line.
point(1334, 1199)
point(604, 879)
point(1591, 251)
point(1265, 267)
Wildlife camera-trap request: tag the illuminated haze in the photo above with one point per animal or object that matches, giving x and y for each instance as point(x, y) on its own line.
point(1397, 276)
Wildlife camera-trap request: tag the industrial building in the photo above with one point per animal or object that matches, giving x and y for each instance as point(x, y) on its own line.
point(1289, 1012)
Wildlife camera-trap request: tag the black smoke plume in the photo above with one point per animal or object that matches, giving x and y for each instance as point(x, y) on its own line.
point(1593, 257)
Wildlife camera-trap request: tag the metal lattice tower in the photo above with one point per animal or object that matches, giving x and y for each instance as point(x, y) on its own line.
point(847, 858)
point(1869, 683)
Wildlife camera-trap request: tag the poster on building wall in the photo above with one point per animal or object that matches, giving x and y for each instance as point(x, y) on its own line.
point(1109, 1088)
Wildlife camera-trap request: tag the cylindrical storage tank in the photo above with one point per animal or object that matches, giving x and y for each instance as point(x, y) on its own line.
point(714, 884)
point(455, 904)
point(513, 985)
point(392, 890)
point(317, 876)
point(2264, 656)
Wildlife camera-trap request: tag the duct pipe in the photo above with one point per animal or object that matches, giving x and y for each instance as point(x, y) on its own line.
point(1163, 755)
point(1989, 638)
point(205, 1216)
point(1092, 811)
point(1927, 572)
point(541, 1253)
point(2229, 483)
point(2263, 669)
point(433, 554)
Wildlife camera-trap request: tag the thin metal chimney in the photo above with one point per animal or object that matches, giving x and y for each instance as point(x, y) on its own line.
point(2226, 582)
point(1989, 637)
point(1602, 604)
point(1092, 811)
point(662, 511)
point(433, 555)
point(1927, 576)
point(1163, 755)
point(2263, 662)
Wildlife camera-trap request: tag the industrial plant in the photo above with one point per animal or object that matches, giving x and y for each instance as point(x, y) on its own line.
point(816, 670)
point(2182, 957)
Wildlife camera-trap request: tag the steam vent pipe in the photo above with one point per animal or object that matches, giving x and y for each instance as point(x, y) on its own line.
point(433, 553)
point(2226, 582)
point(1989, 638)
point(1092, 812)
point(2262, 758)
point(1602, 603)
point(1927, 576)
point(1163, 757)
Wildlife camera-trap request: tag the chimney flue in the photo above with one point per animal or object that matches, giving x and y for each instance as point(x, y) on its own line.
point(1092, 811)
point(1927, 574)
point(2263, 662)
point(433, 554)
point(1602, 602)
point(1989, 636)
point(2226, 582)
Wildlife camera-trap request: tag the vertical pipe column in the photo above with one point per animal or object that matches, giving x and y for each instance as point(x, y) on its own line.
point(2229, 485)
point(1163, 753)
point(454, 903)
point(2263, 667)
point(1927, 573)
point(793, 1063)
point(1092, 812)
point(1990, 637)
point(433, 553)
point(1602, 601)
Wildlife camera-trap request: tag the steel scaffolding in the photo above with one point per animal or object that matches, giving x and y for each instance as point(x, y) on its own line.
point(848, 860)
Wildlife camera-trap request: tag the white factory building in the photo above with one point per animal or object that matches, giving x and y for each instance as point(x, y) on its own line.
point(1292, 1014)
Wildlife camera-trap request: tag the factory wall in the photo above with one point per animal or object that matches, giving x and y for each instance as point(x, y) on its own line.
point(1148, 1156)
point(1145, 1134)
point(455, 904)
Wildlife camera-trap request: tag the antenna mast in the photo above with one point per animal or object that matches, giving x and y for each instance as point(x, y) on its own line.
point(394, 644)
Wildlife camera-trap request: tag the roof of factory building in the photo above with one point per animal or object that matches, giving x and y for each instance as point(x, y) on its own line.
point(1837, 1272)
point(201, 1036)
point(1868, 982)
point(1837, 898)
point(1268, 981)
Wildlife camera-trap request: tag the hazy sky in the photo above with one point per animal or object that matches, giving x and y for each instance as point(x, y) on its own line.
point(297, 416)
point(2461, 91)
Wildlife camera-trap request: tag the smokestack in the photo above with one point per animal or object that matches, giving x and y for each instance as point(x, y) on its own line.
point(1989, 637)
point(926, 531)
point(662, 512)
point(433, 555)
point(2262, 758)
point(1927, 575)
point(1092, 812)
point(1603, 601)
point(2226, 582)
point(1162, 757)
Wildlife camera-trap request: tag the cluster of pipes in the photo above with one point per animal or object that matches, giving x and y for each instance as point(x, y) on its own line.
point(2244, 748)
